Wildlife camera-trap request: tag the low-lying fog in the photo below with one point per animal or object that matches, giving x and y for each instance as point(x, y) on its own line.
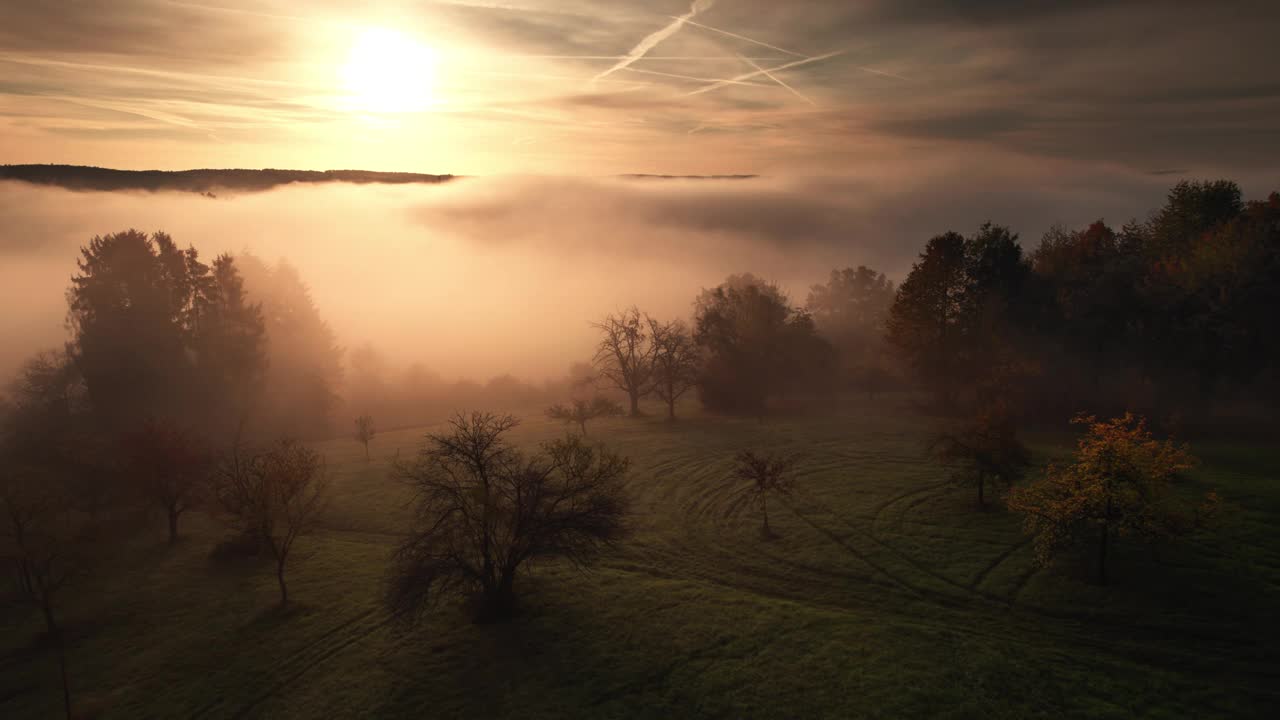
point(485, 276)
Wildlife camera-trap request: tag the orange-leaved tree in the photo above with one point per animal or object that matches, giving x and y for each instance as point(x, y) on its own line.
point(1117, 485)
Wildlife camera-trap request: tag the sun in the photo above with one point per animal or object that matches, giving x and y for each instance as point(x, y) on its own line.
point(389, 72)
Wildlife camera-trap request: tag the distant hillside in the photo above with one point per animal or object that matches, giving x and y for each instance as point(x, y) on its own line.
point(77, 177)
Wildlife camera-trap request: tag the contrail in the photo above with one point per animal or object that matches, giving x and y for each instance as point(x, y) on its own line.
point(687, 21)
point(652, 41)
point(873, 71)
point(696, 79)
point(762, 71)
point(778, 80)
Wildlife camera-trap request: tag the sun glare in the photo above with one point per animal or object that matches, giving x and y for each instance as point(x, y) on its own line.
point(389, 72)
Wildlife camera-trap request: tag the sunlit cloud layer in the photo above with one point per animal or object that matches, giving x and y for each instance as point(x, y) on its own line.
point(667, 86)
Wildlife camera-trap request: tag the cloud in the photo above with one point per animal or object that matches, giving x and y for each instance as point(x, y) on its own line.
point(1136, 82)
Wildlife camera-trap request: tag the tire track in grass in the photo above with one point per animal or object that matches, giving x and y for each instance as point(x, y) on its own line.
point(882, 507)
point(308, 666)
point(856, 552)
point(302, 660)
point(1227, 669)
point(915, 564)
point(982, 574)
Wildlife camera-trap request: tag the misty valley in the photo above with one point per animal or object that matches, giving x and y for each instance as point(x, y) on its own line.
point(385, 451)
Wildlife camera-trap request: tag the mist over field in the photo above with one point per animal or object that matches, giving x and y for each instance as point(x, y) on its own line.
point(494, 275)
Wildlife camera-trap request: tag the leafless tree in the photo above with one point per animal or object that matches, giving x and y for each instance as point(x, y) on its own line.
point(484, 511)
point(39, 546)
point(275, 498)
point(768, 474)
point(365, 431)
point(583, 411)
point(675, 361)
point(624, 357)
point(171, 469)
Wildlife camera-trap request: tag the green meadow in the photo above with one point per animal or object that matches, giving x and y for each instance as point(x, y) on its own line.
point(886, 594)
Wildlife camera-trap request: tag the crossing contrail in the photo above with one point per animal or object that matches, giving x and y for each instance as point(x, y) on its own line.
point(736, 36)
point(696, 79)
point(762, 71)
point(652, 41)
point(778, 80)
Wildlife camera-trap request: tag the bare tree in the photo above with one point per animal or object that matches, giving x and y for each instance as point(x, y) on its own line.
point(768, 474)
point(275, 498)
point(171, 469)
point(38, 544)
point(624, 356)
point(484, 511)
point(365, 431)
point(583, 411)
point(675, 361)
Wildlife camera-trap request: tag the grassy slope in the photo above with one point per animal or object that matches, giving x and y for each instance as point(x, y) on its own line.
point(887, 595)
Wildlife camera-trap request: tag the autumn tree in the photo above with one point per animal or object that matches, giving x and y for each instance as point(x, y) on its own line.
point(675, 362)
point(984, 451)
point(365, 432)
point(580, 412)
point(925, 321)
point(1089, 280)
point(755, 345)
point(274, 498)
point(624, 356)
point(484, 511)
point(765, 474)
point(1117, 485)
point(170, 469)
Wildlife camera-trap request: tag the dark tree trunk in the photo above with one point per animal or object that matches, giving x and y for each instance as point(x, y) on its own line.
point(50, 623)
point(583, 424)
point(1102, 554)
point(635, 403)
point(1102, 544)
point(671, 409)
point(284, 589)
point(366, 451)
point(62, 669)
point(764, 507)
point(173, 526)
point(497, 602)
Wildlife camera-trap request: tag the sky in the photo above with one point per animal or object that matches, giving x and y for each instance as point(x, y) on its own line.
point(874, 125)
point(600, 87)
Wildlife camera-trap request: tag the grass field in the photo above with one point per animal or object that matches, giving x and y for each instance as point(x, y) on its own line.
point(887, 595)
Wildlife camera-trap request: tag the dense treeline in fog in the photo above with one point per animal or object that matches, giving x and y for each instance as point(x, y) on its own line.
point(1168, 316)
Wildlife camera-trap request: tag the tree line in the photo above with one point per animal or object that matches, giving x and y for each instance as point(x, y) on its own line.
point(1170, 316)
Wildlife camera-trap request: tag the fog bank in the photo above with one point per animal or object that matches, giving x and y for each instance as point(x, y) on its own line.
point(485, 276)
